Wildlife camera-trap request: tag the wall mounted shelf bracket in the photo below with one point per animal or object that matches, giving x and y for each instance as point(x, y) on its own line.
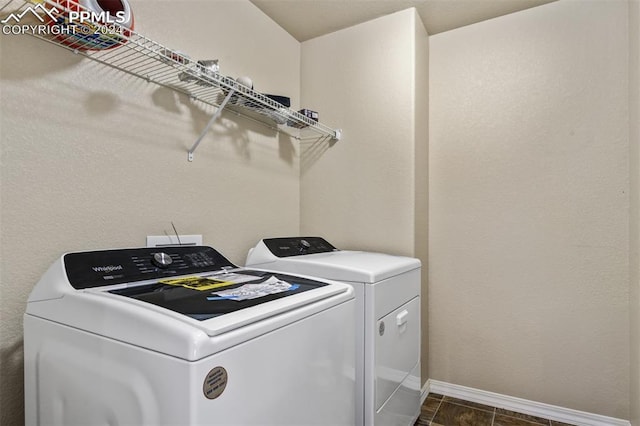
point(214, 117)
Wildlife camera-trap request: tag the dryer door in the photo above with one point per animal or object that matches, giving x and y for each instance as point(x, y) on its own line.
point(397, 348)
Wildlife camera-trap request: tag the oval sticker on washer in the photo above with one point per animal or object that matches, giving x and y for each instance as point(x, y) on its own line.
point(215, 382)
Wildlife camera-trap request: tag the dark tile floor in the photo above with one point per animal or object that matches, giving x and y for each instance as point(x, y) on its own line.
point(439, 410)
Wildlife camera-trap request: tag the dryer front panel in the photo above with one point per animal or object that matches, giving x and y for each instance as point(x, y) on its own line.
point(397, 349)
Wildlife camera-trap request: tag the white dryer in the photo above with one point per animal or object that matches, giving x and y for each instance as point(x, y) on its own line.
point(181, 336)
point(387, 319)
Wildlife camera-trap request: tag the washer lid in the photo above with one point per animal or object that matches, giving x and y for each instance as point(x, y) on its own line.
point(353, 266)
point(239, 292)
point(184, 307)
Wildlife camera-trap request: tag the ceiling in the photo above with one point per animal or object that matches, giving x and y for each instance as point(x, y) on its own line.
point(306, 19)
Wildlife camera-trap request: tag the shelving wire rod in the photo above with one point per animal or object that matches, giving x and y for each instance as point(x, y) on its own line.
point(139, 56)
point(214, 117)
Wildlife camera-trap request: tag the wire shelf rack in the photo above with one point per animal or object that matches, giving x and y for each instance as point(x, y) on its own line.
point(113, 44)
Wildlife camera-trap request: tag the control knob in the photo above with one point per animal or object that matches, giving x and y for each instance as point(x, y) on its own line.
point(304, 246)
point(161, 260)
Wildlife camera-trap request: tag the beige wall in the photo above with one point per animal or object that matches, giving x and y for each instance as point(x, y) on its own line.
point(634, 222)
point(421, 179)
point(92, 158)
point(529, 184)
point(368, 191)
point(361, 78)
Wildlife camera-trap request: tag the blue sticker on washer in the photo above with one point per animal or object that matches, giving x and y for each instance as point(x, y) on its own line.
point(250, 291)
point(221, 298)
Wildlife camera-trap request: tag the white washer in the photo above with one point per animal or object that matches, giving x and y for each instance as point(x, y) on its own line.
point(387, 323)
point(108, 340)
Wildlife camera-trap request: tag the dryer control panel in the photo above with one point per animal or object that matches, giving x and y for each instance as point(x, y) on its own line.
point(297, 246)
point(108, 267)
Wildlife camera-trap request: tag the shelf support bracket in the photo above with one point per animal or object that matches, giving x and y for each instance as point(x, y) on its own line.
point(214, 117)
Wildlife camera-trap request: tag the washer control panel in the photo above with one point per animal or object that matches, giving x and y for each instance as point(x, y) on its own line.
point(108, 267)
point(297, 246)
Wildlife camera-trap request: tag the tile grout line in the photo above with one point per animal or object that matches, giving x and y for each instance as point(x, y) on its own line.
point(436, 412)
point(493, 419)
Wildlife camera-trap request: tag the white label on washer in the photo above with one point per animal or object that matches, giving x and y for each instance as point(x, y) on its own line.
point(252, 291)
point(215, 382)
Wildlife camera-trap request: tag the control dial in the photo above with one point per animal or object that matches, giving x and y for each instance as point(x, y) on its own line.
point(304, 246)
point(161, 260)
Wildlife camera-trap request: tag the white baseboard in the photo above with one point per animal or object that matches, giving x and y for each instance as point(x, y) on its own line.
point(424, 391)
point(520, 405)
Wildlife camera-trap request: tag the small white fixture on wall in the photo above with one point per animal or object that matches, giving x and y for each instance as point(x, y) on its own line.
point(173, 240)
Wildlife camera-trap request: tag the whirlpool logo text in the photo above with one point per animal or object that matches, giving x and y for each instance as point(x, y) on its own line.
point(108, 268)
